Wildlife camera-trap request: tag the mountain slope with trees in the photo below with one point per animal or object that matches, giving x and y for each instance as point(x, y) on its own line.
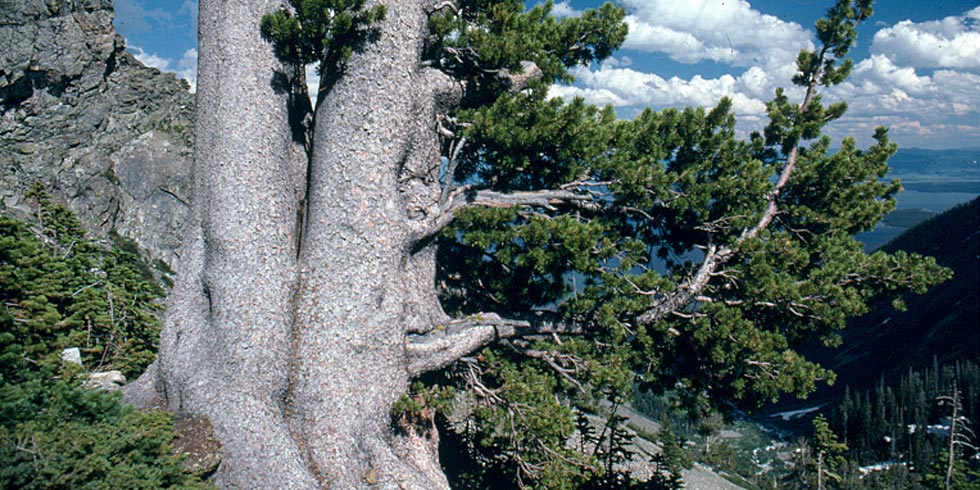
point(938, 326)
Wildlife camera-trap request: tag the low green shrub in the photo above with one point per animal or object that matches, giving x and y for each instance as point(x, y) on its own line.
point(60, 289)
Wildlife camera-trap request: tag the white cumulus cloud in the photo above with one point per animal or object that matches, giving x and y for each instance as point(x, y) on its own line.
point(624, 87)
point(920, 79)
point(564, 9)
point(312, 83)
point(882, 72)
point(187, 67)
point(951, 42)
point(728, 31)
point(762, 47)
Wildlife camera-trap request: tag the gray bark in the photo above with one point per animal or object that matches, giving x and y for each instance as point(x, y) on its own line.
point(225, 347)
point(294, 344)
point(359, 288)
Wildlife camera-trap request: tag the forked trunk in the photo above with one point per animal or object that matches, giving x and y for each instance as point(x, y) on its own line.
point(293, 343)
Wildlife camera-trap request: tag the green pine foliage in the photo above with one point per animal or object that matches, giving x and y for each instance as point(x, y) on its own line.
point(829, 452)
point(817, 462)
point(521, 442)
point(479, 38)
point(667, 186)
point(61, 289)
point(666, 194)
point(608, 444)
point(962, 477)
point(675, 456)
point(323, 32)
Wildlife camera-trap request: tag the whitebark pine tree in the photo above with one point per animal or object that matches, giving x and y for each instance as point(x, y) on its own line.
point(306, 297)
point(287, 327)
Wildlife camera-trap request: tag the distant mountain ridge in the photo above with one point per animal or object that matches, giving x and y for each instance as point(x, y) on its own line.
point(932, 181)
point(957, 162)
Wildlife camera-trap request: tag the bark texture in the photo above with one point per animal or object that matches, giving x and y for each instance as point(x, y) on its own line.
point(226, 343)
point(361, 287)
point(291, 338)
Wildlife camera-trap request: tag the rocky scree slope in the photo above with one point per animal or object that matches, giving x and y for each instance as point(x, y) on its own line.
point(107, 136)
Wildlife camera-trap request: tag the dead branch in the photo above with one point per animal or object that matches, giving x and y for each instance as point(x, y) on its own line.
point(445, 344)
point(560, 362)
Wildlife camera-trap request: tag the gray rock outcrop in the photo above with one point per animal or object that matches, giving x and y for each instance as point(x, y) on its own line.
point(109, 137)
point(106, 381)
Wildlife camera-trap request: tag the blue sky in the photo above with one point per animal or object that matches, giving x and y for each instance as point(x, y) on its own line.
point(917, 64)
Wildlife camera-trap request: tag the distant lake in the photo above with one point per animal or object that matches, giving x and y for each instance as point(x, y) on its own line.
point(936, 202)
point(929, 202)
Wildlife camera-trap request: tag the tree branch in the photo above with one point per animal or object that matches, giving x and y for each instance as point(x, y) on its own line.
point(466, 196)
point(516, 82)
point(716, 256)
point(446, 343)
point(558, 363)
point(447, 184)
point(691, 288)
point(547, 199)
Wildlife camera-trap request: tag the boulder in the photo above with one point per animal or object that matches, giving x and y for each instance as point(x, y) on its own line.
point(107, 381)
point(71, 355)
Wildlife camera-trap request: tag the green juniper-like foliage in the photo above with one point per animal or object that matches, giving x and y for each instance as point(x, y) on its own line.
point(689, 260)
point(56, 434)
point(60, 289)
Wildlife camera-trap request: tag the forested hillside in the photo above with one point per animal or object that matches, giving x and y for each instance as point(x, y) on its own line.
point(900, 434)
point(901, 372)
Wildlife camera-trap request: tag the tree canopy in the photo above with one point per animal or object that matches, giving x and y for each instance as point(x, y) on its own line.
point(661, 250)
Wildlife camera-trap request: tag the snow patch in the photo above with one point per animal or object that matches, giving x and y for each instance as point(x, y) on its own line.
point(865, 470)
point(795, 414)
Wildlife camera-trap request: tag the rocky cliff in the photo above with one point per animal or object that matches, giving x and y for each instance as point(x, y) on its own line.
point(108, 136)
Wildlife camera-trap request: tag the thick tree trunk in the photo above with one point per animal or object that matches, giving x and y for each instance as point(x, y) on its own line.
point(226, 345)
point(294, 346)
point(360, 283)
